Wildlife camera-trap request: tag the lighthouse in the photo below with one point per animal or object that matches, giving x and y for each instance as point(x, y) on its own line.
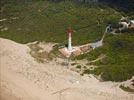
point(70, 50)
point(69, 32)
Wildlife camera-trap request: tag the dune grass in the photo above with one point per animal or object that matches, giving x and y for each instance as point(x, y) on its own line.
point(127, 89)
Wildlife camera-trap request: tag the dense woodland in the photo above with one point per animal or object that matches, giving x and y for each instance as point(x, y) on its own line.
point(124, 5)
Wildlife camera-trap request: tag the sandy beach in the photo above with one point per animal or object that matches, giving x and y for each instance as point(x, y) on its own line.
point(23, 78)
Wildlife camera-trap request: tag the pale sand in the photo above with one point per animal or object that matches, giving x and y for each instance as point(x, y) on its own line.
point(22, 78)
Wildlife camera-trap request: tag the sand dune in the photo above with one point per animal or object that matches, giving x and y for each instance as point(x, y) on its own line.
point(22, 78)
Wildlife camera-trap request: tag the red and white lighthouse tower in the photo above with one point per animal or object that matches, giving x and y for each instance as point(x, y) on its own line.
point(68, 51)
point(69, 32)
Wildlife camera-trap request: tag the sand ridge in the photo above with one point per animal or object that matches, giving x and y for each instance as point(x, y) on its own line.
point(23, 78)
